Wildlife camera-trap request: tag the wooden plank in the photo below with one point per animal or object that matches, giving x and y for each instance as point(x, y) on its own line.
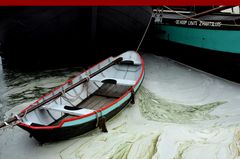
point(96, 102)
point(112, 90)
point(106, 94)
point(213, 10)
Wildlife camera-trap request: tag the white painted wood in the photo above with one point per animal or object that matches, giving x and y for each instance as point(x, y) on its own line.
point(123, 74)
point(60, 108)
point(119, 81)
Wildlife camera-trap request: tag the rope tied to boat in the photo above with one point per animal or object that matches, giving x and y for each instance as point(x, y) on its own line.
point(96, 118)
point(6, 123)
point(145, 32)
point(88, 78)
point(65, 98)
point(25, 113)
point(9, 125)
point(18, 118)
point(12, 124)
point(101, 121)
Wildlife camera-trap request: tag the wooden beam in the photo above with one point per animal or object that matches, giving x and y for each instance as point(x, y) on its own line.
point(209, 11)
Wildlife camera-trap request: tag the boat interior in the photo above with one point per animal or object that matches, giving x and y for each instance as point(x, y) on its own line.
point(97, 92)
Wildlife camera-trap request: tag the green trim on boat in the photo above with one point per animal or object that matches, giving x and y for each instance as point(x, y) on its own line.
point(217, 40)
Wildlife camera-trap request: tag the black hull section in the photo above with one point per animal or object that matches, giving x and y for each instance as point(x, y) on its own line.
point(222, 64)
point(45, 37)
point(51, 135)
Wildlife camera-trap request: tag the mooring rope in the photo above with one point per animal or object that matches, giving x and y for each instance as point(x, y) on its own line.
point(144, 33)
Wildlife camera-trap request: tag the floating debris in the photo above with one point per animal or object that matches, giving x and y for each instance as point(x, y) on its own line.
point(159, 109)
point(135, 145)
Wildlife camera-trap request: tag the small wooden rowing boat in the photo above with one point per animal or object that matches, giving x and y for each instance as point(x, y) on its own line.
point(84, 102)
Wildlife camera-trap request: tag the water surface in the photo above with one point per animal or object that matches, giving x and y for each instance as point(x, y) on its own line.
point(179, 113)
point(17, 87)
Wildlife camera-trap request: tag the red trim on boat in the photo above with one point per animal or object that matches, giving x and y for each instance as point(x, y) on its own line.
point(83, 116)
point(55, 89)
point(110, 104)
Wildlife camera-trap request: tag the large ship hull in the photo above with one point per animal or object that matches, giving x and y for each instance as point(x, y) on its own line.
point(48, 34)
point(222, 64)
point(221, 40)
point(209, 43)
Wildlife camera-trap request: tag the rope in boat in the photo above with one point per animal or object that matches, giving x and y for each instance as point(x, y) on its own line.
point(12, 125)
point(97, 118)
point(65, 98)
point(188, 17)
point(18, 119)
point(101, 121)
point(38, 104)
point(77, 95)
point(144, 33)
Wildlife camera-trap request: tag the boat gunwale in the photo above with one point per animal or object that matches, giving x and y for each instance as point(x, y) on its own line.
point(212, 14)
point(86, 115)
point(223, 26)
point(61, 86)
point(226, 24)
point(229, 28)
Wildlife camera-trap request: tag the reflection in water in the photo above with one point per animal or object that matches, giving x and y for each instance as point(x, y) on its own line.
point(2, 85)
point(20, 87)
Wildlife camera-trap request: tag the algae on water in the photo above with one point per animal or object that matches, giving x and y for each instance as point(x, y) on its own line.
point(182, 148)
point(159, 109)
point(134, 145)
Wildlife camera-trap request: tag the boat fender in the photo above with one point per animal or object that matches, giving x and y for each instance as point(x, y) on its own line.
point(102, 124)
point(132, 97)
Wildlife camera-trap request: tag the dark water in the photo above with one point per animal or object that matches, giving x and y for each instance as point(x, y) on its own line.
point(62, 36)
point(17, 87)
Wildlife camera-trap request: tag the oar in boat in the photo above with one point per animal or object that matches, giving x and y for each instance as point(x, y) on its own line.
point(18, 116)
